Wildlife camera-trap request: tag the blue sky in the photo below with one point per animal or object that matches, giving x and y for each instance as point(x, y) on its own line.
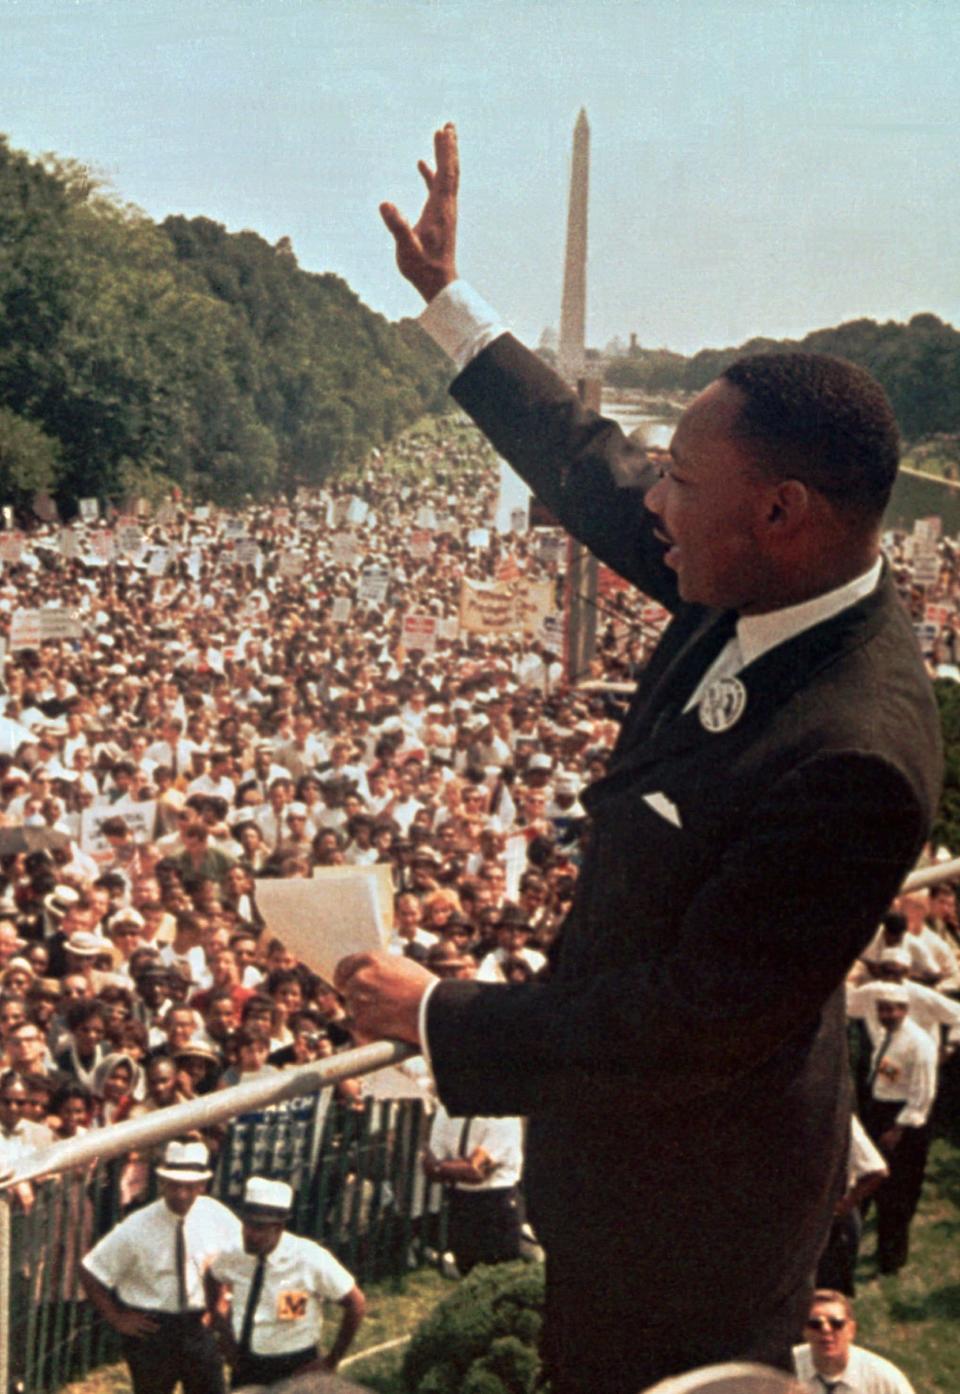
point(758, 166)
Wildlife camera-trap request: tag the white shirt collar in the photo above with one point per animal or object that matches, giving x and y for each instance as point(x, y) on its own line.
point(757, 634)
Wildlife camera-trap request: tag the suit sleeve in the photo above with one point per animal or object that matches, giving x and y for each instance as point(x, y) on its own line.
point(582, 466)
point(762, 946)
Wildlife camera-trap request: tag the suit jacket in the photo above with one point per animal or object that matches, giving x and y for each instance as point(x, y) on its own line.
point(685, 1068)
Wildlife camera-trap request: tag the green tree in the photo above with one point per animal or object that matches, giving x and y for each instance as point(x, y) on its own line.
point(29, 459)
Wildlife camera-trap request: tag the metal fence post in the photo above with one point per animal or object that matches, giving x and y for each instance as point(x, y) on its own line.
point(5, 1314)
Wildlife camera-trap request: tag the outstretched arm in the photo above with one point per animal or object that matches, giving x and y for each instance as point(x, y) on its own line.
point(426, 253)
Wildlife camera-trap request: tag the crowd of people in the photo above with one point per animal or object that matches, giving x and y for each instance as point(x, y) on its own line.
point(237, 700)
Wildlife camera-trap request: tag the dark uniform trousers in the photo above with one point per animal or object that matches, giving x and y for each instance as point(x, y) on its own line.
point(898, 1197)
point(484, 1226)
point(182, 1349)
point(266, 1369)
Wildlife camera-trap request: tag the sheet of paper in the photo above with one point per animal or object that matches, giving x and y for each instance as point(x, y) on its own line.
point(381, 873)
point(322, 920)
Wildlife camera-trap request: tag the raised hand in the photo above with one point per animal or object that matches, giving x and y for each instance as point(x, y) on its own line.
point(427, 253)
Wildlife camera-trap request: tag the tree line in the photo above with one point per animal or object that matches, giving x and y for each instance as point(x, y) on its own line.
point(135, 356)
point(918, 364)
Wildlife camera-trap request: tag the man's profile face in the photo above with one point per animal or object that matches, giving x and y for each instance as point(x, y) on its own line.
point(710, 503)
point(826, 1337)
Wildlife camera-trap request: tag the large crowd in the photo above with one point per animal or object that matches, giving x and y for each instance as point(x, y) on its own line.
point(236, 695)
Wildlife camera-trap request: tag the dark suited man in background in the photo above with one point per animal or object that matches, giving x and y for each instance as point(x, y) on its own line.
point(684, 1066)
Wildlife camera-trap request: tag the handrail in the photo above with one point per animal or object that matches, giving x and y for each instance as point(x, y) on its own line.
point(149, 1130)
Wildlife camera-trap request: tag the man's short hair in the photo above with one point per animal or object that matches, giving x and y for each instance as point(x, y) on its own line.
point(823, 421)
point(831, 1295)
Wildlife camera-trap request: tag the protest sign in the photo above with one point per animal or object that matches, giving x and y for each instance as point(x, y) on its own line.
point(551, 546)
point(356, 511)
point(426, 518)
point(420, 632)
point(129, 538)
point(486, 607)
point(234, 529)
point(343, 549)
point(103, 546)
point(372, 586)
point(518, 519)
point(292, 564)
point(478, 537)
point(140, 818)
point(448, 628)
point(89, 510)
point(340, 610)
point(421, 545)
point(159, 561)
point(11, 547)
point(247, 553)
point(68, 543)
point(31, 628)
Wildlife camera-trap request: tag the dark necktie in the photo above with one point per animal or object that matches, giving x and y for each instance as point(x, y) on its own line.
point(464, 1135)
point(249, 1311)
point(875, 1067)
point(181, 1260)
point(829, 1385)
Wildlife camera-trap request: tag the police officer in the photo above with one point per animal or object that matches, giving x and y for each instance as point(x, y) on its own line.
point(279, 1282)
point(146, 1278)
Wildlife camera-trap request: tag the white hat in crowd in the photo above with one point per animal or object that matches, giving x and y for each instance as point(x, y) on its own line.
point(264, 1199)
point(185, 1161)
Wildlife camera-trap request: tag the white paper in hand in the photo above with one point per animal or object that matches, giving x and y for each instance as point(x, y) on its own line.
point(322, 920)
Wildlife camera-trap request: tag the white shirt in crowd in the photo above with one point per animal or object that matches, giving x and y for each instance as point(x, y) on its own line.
point(907, 1072)
point(137, 1259)
point(298, 1276)
point(865, 1373)
point(500, 1138)
point(929, 1008)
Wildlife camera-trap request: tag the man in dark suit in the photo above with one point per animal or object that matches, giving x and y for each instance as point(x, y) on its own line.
point(684, 1067)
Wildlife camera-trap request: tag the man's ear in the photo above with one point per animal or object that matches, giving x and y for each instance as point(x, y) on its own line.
point(788, 506)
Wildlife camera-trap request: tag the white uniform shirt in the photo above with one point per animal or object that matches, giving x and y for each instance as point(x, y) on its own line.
point(298, 1275)
point(866, 1373)
point(907, 1072)
point(500, 1138)
point(929, 1008)
point(137, 1259)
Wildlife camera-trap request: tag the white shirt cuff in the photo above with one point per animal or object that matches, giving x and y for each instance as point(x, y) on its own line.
point(461, 322)
point(422, 1024)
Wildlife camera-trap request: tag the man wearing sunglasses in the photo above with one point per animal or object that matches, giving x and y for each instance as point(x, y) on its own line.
point(831, 1362)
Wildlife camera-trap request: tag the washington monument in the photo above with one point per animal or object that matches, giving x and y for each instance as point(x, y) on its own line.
point(574, 308)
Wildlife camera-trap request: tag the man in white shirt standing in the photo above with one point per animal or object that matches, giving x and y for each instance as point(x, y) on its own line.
point(279, 1282)
point(901, 1088)
point(831, 1364)
point(480, 1160)
point(146, 1278)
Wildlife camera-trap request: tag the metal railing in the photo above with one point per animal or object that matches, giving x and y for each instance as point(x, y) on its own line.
point(358, 1189)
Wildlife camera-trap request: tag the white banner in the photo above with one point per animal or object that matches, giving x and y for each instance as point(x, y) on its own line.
point(31, 628)
point(140, 818)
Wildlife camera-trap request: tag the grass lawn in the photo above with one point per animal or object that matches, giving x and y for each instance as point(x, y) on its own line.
point(911, 1318)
